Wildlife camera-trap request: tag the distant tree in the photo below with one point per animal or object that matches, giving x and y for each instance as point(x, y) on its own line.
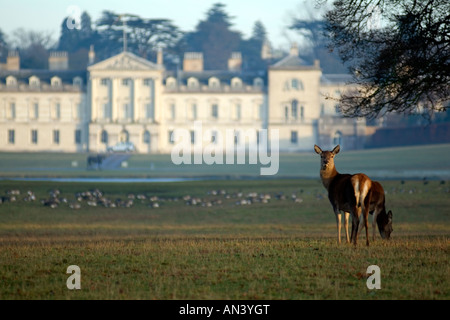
point(398, 52)
point(214, 38)
point(313, 30)
point(33, 47)
point(144, 36)
point(251, 48)
point(3, 46)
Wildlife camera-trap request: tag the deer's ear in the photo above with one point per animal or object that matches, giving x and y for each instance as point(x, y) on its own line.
point(317, 149)
point(336, 149)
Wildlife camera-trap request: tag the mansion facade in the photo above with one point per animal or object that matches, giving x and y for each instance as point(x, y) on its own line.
point(126, 98)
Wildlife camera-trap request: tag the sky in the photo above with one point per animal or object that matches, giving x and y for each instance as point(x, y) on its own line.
point(47, 15)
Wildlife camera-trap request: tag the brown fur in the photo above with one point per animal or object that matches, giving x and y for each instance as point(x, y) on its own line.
point(347, 193)
point(378, 209)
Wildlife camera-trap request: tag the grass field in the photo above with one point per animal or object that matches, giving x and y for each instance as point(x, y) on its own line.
point(219, 247)
point(432, 161)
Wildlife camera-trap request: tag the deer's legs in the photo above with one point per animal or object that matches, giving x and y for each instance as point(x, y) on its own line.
point(346, 216)
point(338, 224)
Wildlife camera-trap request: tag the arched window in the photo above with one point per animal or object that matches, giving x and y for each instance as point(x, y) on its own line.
point(11, 81)
point(124, 136)
point(236, 83)
point(55, 82)
point(171, 83)
point(214, 83)
point(192, 83)
point(34, 82)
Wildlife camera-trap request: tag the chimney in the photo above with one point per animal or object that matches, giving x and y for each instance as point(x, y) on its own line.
point(266, 51)
point(235, 62)
point(294, 50)
point(13, 60)
point(58, 60)
point(317, 63)
point(159, 57)
point(91, 54)
point(193, 61)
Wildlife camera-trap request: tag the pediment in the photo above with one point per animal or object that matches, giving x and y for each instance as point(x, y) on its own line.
point(125, 61)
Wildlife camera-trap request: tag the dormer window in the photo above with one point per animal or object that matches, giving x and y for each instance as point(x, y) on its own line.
point(192, 83)
point(34, 82)
point(236, 83)
point(171, 83)
point(11, 81)
point(258, 83)
point(214, 83)
point(77, 82)
point(56, 82)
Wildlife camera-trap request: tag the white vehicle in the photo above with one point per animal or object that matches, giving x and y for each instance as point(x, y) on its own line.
point(122, 147)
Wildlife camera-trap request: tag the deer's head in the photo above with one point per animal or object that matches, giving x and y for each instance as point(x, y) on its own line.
point(384, 222)
point(327, 157)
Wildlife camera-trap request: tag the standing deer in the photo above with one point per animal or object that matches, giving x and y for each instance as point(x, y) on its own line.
point(378, 209)
point(346, 192)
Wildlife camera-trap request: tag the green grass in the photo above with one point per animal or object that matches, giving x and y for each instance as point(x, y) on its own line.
point(432, 161)
point(277, 250)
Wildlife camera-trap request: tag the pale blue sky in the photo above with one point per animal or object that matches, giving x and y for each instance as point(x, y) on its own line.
point(47, 15)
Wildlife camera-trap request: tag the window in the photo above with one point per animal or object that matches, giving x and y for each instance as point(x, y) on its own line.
point(12, 110)
point(77, 82)
point(214, 83)
point(258, 83)
point(104, 81)
point(126, 82)
point(172, 111)
point(127, 111)
point(302, 113)
point(294, 137)
point(146, 137)
point(104, 137)
point(192, 83)
point(238, 111)
point(337, 139)
point(11, 81)
point(171, 83)
point(57, 111)
point(11, 136)
point(297, 84)
point(149, 111)
point(55, 82)
point(56, 136)
point(215, 111)
point(78, 136)
point(106, 111)
point(194, 111)
point(286, 113)
point(34, 82)
point(34, 136)
point(236, 83)
point(148, 82)
point(35, 111)
point(294, 110)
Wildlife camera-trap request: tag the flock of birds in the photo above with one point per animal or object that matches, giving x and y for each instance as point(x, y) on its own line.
point(96, 197)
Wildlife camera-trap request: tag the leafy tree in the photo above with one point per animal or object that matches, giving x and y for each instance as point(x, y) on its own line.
point(398, 52)
point(214, 38)
point(143, 36)
point(3, 46)
point(251, 48)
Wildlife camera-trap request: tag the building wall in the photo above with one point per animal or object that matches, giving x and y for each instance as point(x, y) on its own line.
point(44, 113)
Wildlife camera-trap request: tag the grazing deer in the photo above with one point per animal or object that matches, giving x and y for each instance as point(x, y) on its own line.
point(378, 209)
point(346, 192)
